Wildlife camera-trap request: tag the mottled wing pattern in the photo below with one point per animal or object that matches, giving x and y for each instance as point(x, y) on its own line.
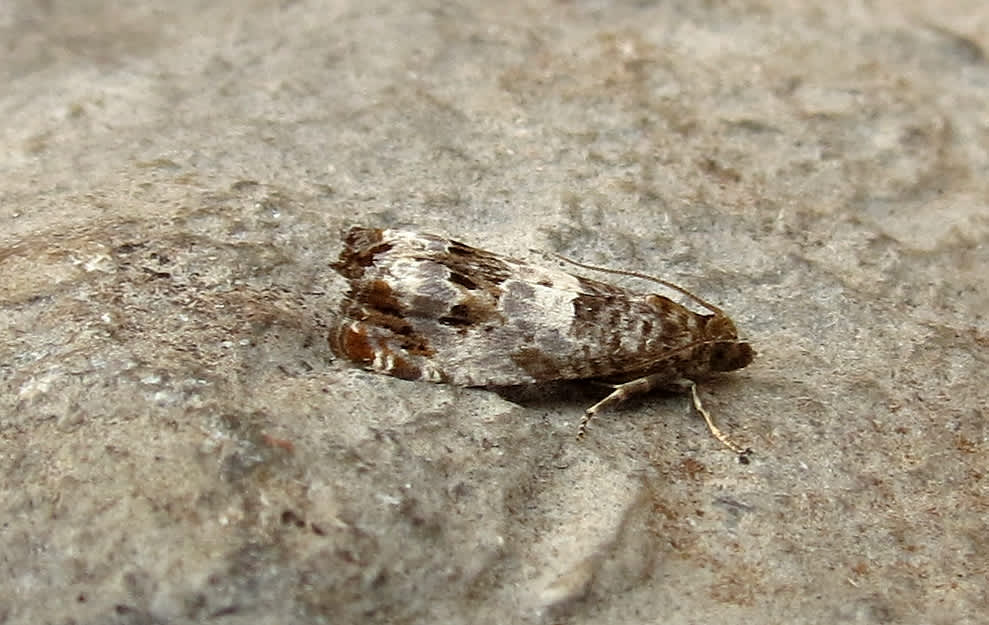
point(425, 307)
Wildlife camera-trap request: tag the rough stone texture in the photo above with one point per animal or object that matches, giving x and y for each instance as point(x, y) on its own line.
point(178, 445)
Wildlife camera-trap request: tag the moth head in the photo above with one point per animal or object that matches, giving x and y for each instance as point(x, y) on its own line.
point(725, 352)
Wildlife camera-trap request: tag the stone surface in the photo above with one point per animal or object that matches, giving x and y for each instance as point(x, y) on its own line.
point(177, 444)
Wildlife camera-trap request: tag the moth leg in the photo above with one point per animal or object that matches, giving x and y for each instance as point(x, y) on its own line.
point(645, 384)
point(715, 430)
point(620, 393)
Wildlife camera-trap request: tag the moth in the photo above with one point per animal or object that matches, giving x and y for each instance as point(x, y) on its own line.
point(424, 307)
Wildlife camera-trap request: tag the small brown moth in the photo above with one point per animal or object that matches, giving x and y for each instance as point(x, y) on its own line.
point(423, 307)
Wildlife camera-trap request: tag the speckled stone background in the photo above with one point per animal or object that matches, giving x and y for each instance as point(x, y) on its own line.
point(178, 445)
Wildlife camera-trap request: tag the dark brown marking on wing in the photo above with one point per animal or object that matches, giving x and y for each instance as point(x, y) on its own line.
point(378, 295)
point(461, 249)
point(387, 326)
point(382, 339)
point(412, 342)
point(602, 313)
point(463, 315)
point(352, 343)
point(361, 245)
point(404, 368)
point(355, 342)
point(675, 323)
point(482, 267)
point(598, 320)
point(359, 238)
point(463, 280)
point(593, 287)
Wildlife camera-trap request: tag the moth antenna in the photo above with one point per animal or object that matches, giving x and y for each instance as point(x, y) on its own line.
point(635, 274)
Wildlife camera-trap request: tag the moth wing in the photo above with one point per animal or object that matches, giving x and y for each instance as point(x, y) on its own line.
point(424, 307)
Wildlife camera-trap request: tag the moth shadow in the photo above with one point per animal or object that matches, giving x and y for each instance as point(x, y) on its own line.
point(572, 394)
point(551, 394)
